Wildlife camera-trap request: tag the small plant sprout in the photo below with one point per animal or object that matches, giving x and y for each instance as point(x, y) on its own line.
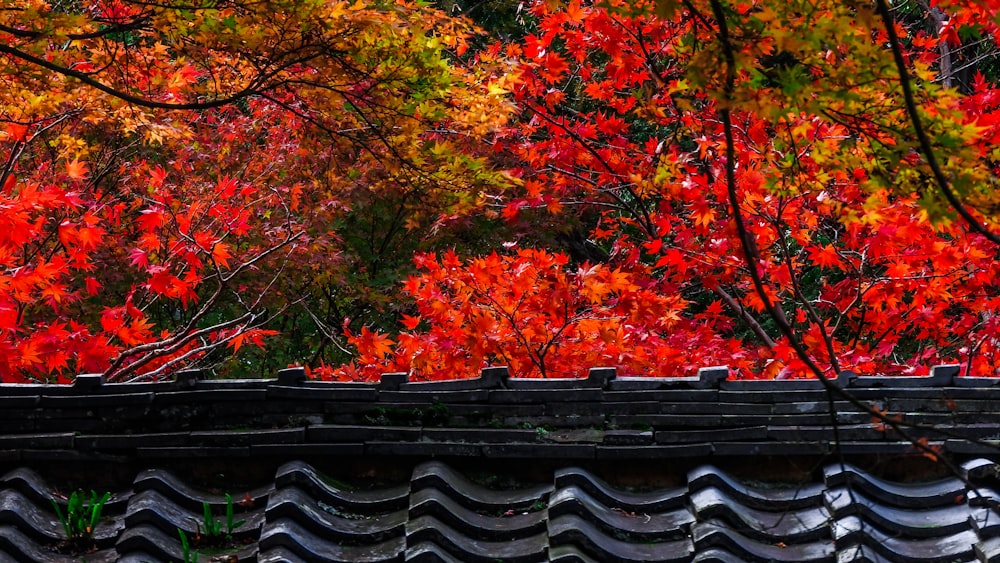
point(213, 527)
point(81, 516)
point(231, 523)
point(189, 556)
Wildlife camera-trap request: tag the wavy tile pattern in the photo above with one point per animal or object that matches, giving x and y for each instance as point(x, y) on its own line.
point(316, 519)
point(440, 514)
point(30, 529)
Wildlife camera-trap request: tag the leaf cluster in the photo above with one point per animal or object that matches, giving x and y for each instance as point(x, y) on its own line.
point(81, 515)
point(214, 529)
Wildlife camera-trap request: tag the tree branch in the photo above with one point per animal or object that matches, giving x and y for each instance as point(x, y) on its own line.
point(918, 127)
point(135, 100)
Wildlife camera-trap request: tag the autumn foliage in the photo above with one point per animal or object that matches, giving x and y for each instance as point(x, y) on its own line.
point(854, 247)
point(529, 312)
point(172, 174)
point(790, 189)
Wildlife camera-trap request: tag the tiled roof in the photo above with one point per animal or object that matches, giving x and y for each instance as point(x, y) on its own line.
point(599, 417)
point(439, 514)
point(700, 466)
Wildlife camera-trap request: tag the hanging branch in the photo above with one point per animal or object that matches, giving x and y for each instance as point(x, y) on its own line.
point(918, 127)
point(752, 257)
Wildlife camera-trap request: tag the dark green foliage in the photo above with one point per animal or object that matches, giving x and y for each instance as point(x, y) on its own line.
point(81, 516)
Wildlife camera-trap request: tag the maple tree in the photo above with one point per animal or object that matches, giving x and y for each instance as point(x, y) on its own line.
point(788, 189)
point(810, 186)
point(173, 172)
point(527, 312)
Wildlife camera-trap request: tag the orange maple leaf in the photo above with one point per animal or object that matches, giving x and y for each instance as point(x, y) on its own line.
point(29, 353)
point(410, 322)
point(253, 336)
point(825, 257)
point(221, 254)
point(17, 131)
point(76, 170)
point(373, 343)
